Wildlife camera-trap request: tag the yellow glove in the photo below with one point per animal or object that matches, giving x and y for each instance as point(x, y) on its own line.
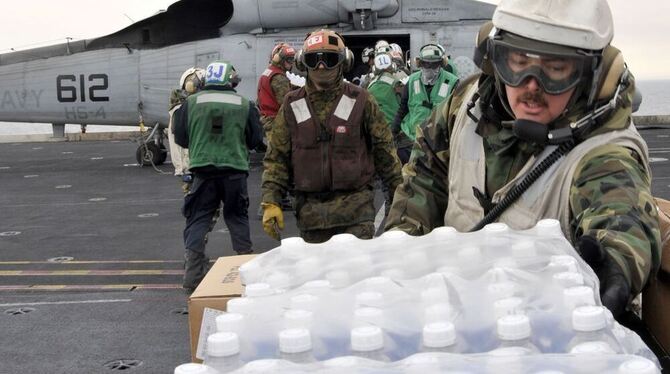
point(273, 220)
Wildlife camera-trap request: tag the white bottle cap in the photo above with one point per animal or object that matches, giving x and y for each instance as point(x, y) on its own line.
point(601, 348)
point(638, 365)
point(261, 366)
point(589, 318)
point(304, 301)
point(338, 278)
point(439, 334)
point(250, 272)
point(444, 232)
point(240, 305)
point(295, 340)
point(191, 368)
point(258, 290)
point(367, 338)
point(434, 295)
point(343, 240)
point(549, 227)
point(568, 279)
point(438, 313)
point(230, 322)
point(368, 316)
point(342, 362)
point(578, 296)
point(501, 290)
point(563, 263)
point(298, 319)
point(524, 248)
point(317, 285)
point(292, 248)
point(507, 306)
point(278, 280)
point(394, 235)
point(496, 228)
point(514, 327)
point(469, 255)
point(223, 344)
point(370, 299)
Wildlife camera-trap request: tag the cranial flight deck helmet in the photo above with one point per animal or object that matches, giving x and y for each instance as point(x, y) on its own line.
point(325, 47)
point(367, 54)
point(561, 43)
point(221, 73)
point(282, 52)
point(192, 79)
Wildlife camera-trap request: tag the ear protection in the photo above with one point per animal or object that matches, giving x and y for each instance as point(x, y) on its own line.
point(193, 80)
point(280, 52)
point(480, 56)
point(613, 67)
point(347, 64)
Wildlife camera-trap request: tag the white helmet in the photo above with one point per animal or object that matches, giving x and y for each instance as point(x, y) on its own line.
point(585, 24)
point(192, 79)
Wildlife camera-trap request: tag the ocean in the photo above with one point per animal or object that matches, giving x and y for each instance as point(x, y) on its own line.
point(655, 101)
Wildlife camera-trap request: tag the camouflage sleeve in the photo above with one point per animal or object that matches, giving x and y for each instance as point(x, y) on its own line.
point(611, 200)
point(421, 200)
point(280, 86)
point(276, 163)
point(387, 163)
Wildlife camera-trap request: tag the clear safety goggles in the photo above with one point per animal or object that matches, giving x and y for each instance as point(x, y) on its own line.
point(556, 73)
point(330, 60)
point(429, 64)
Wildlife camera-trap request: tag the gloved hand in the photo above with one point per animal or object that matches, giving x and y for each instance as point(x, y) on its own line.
point(273, 220)
point(614, 287)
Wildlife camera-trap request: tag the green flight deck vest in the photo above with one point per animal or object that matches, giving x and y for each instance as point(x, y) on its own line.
point(418, 112)
point(382, 88)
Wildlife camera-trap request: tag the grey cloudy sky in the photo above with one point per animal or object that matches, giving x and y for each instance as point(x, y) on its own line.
point(640, 26)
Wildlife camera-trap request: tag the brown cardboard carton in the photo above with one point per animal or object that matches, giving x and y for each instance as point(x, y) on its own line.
point(656, 296)
point(221, 284)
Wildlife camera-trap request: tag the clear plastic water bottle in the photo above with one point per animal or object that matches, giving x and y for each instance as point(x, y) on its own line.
point(192, 368)
point(638, 365)
point(298, 319)
point(343, 362)
point(370, 299)
point(368, 316)
point(368, 342)
point(568, 279)
point(295, 345)
point(223, 352)
point(241, 305)
point(440, 337)
point(561, 263)
point(574, 297)
point(258, 290)
point(261, 366)
point(305, 302)
point(508, 306)
point(590, 325)
point(514, 331)
point(279, 282)
point(231, 322)
point(293, 248)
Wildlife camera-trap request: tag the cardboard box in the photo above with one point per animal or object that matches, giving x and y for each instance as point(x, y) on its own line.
point(221, 284)
point(656, 296)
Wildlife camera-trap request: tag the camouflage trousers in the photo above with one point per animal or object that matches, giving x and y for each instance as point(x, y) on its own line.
point(363, 230)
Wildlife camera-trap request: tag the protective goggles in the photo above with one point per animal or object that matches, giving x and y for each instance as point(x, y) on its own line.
point(330, 60)
point(556, 73)
point(429, 64)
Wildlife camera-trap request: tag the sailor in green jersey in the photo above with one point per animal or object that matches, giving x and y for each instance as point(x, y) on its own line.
point(384, 87)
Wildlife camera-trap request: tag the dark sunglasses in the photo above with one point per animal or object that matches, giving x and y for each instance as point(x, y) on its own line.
point(330, 59)
point(430, 64)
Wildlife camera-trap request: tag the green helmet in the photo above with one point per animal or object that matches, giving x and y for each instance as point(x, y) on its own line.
point(221, 73)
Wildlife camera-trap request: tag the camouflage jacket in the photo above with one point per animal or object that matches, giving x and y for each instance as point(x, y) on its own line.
point(280, 87)
point(177, 97)
point(329, 209)
point(610, 197)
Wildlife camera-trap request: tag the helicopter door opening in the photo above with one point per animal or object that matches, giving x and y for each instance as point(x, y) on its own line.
point(356, 43)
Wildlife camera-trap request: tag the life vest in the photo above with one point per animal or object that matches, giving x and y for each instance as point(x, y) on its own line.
point(334, 157)
point(217, 121)
point(420, 104)
point(267, 102)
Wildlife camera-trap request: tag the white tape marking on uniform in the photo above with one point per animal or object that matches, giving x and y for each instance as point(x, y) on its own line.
point(267, 72)
point(69, 302)
point(444, 89)
point(300, 110)
point(344, 107)
point(387, 79)
point(417, 87)
point(380, 216)
point(219, 98)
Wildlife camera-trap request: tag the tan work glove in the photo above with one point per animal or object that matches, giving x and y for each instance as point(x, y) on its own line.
point(273, 220)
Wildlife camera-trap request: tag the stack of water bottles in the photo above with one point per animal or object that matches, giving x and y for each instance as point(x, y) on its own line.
point(492, 301)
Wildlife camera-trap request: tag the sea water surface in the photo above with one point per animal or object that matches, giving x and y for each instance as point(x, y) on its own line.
point(655, 101)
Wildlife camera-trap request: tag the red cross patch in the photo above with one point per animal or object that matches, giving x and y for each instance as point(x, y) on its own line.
point(341, 129)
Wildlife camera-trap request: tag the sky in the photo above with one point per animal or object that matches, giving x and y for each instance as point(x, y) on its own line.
point(640, 27)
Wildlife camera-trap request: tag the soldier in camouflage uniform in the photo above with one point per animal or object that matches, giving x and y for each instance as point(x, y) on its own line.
point(328, 139)
point(495, 129)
